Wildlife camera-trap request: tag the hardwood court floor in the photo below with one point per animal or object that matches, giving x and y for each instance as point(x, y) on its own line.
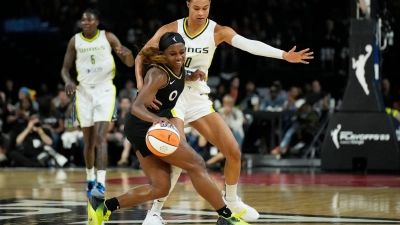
point(57, 196)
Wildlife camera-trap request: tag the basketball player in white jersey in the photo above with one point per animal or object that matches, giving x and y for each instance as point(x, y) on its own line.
point(95, 95)
point(202, 36)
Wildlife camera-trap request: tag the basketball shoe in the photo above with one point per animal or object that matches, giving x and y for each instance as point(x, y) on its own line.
point(89, 186)
point(234, 220)
point(97, 210)
point(153, 218)
point(100, 188)
point(240, 209)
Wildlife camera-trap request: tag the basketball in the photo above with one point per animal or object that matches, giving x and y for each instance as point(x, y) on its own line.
point(162, 139)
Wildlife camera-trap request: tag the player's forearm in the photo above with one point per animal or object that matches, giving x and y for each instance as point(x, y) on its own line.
point(257, 47)
point(65, 76)
point(139, 71)
point(142, 113)
point(129, 60)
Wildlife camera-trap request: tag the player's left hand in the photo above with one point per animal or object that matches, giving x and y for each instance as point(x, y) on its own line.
point(196, 75)
point(122, 50)
point(298, 57)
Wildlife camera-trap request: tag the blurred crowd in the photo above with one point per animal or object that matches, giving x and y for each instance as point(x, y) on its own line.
point(37, 116)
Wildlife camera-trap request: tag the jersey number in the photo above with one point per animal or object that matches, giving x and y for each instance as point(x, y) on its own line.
point(188, 61)
point(173, 95)
point(92, 59)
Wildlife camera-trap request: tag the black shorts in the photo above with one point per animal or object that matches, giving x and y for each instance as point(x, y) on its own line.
point(135, 131)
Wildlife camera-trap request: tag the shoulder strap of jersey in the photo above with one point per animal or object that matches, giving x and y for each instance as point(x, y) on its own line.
point(161, 67)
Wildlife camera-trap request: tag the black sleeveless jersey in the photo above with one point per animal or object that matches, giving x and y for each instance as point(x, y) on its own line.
point(168, 95)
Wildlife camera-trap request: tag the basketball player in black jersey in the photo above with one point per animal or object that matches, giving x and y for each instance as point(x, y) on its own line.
point(164, 80)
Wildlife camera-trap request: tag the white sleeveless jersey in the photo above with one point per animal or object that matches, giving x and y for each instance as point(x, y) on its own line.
point(200, 50)
point(94, 61)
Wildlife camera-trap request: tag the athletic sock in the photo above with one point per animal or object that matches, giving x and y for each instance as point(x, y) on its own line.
point(90, 174)
point(231, 192)
point(224, 212)
point(157, 206)
point(112, 204)
point(101, 177)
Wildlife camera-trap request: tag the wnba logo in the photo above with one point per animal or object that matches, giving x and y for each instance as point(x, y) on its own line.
point(359, 67)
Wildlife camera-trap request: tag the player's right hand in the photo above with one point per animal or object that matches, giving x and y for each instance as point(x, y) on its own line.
point(161, 120)
point(154, 105)
point(70, 88)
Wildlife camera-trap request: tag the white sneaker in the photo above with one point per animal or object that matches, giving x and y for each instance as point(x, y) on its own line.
point(153, 218)
point(238, 207)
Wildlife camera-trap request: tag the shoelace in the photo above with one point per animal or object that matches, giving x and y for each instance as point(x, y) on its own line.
point(159, 217)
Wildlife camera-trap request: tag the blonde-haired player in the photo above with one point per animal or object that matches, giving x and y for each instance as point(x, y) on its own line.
point(95, 94)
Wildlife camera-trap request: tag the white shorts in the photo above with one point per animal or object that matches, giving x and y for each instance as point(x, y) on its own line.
point(94, 103)
point(192, 105)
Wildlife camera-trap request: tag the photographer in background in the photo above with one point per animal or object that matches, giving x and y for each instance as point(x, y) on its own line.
point(30, 144)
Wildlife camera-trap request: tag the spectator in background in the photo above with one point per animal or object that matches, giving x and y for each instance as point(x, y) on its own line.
point(10, 92)
point(388, 99)
point(234, 91)
point(273, 102)
point(118, 134)
point(219, 95)
point(30, 145)
point(62, 102)
point(290, 123)
point(318, 99)
point(199, 143)
point(72, 138)
point(329, 44)
point(43, 95)
point(52, 120)
point(18, 118)
point(252, 98)
point(281, 92)
point(25, 93)
point(128, 91)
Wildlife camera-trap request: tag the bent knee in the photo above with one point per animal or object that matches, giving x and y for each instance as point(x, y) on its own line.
point(232, 152)
point(160, 187)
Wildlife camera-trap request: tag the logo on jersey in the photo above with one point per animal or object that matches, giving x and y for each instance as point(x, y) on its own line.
point(94, 70)
point(92, 49)
point(197, 50)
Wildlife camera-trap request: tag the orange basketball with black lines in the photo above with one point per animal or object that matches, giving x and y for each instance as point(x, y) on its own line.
point(162, 139)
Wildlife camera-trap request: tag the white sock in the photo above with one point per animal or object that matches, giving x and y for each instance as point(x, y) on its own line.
point(90, 174)
point(101, 177)
point(159, 203)
point(231, 192)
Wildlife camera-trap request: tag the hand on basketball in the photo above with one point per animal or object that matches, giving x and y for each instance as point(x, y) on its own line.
point(161, 120)
point(122, 50)
point(196, 75)
point(298, 57)
point(70, 88)
point(154, 105)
